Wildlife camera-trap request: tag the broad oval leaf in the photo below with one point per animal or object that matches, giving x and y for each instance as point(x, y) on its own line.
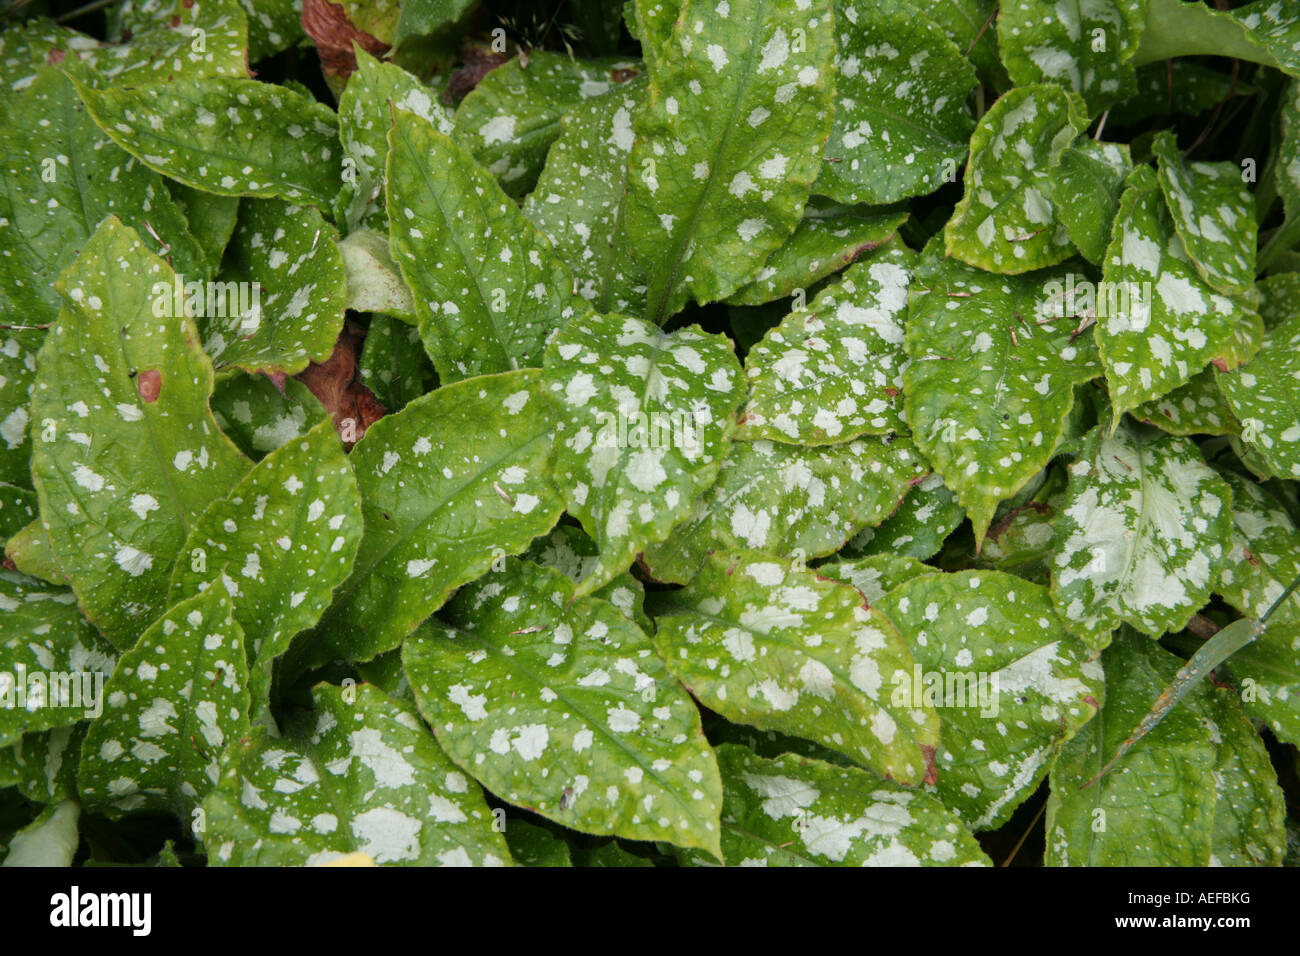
point(511, 118)
point(1213, 212)
point(1009, 683)
point(795, 811)
point(833, 371)
point(1006, 221)
point(365, 777)
point(876, 574)
point(1086, 46)
point(558, 703)
point(995, 360)
point(918, 528)
point(727, 145)
point(791, 501)
point(780, 648)
point(280, 301)
point(488, 290)
point(643, 420)
point(901, 119)
point(448, 485)
point(134, 454)
point(225, 135)
point(175, 701)
point(1142, 535)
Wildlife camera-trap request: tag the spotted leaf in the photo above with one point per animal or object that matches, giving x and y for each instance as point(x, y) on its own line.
point(558, 703)
point(643, 419)
point(1264, 395)
point(133, 454)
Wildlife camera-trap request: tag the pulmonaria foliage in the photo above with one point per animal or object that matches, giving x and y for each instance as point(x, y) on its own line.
point(670, 433)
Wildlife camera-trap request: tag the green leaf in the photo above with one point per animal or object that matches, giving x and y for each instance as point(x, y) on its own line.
point(511, 118)
point(133, 453)
point(374, 282)
point(793, 811)
point(18, 348)
point(901, 119)
point(1264, 394)
point(1006, 221)
point(1086, 47)
point(581, 196)
point(285, 271)
point(828, 238)
point(876, 574)
point(48, 763)
point(1177, 86)
point(31, 554)
point(531, 845)
point(928, 514)
point(995, 360)
point(1213, 212)
point(17, 509)
point(366, 776)
point(558, 703)
point(833, 371)
point(175, 701)
point(1086, 189)
point(53, 664)
point(790, 501)
point(281, 541)
point(393, 364)
point(1159, 323)
point(643, 420)
point(226, 136)
point(449, 484)
point(211, 219)
point(273, 25)
point(365, 116)
point(569, 550)
point(1198, 407)
point(1010, 685)
point(750, 111)
point(1142, 536)
point(1158, 807)
point(1263, 559)
point(1266, 31)
point(59, 177)
point(780, 648)
point(488, 289)
point(49, 840)
point(258, 417)
point(1250, 814)
point(969, 24)
point(1022, 537)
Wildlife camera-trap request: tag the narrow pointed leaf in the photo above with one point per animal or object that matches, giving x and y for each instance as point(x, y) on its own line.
point(1165, 324)
point(281, 541)
point(1086, 188)
point(488, 289)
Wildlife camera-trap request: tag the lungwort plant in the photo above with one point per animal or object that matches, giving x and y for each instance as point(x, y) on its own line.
point(681, 432)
